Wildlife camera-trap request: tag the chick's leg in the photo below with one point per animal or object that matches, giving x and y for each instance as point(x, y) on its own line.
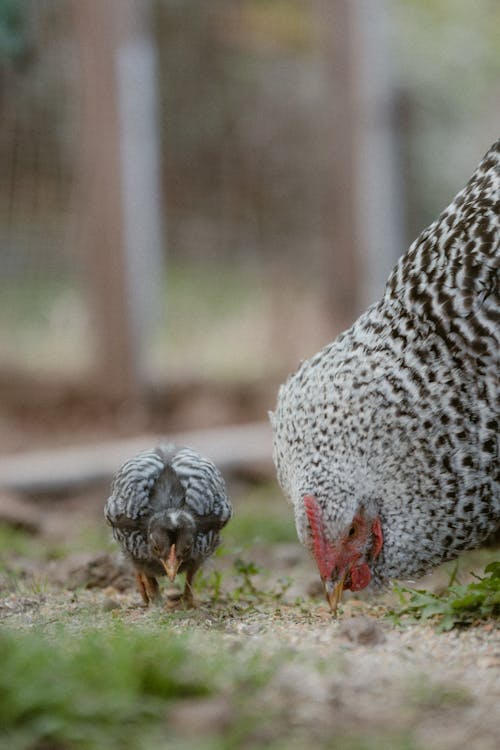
point(148, 588)
point(152, 588)
point(139, 577)
point(187, 596)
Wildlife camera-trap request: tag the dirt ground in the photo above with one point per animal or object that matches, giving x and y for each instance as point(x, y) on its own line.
point(359, 676)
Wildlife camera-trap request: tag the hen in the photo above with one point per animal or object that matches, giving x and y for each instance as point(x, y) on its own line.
point(386, 441)
point(166, 509)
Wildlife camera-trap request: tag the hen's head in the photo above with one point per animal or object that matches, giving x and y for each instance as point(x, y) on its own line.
point(343, 552)
point(171, 536)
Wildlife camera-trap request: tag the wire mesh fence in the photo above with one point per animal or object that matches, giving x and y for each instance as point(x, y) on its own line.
point(248, 101)
point(42, 308)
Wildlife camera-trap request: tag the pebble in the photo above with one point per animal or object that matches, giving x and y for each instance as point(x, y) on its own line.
point(109, 604)
point(362, 630)
point(315, 588)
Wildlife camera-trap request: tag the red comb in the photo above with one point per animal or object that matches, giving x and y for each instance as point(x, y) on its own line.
point(321, 549)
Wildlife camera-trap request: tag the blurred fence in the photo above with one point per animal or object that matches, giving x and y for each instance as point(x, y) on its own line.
point(293, 138)
point(43, 315)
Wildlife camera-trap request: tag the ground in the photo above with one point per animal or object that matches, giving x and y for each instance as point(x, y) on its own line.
point(259, 663)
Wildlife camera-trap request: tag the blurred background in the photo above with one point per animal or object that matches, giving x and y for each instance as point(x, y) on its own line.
point(195, 196)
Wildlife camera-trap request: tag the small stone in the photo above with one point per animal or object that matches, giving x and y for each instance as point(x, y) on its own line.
point(109, 604)
point(314, 587)
point(363, 630)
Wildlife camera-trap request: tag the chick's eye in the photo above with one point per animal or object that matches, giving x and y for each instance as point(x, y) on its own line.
point(352, 531)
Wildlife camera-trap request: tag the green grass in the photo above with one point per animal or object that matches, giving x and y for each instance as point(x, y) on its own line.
point(17, 542)
point(108, 689)
point(247, 529)
point(89, 537)
point(260, 516)
point(214, 317)
point(215, 291)
point(243, 584)
point(211, 323)
point(123, 688)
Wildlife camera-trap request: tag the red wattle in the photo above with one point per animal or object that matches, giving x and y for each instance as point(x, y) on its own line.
point(360, 577)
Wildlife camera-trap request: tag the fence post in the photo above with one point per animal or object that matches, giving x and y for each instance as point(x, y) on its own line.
point(365, 219)
point(119, 201)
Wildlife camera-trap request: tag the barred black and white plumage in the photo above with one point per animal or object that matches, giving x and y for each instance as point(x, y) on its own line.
point(386, 441)
point(166, 509)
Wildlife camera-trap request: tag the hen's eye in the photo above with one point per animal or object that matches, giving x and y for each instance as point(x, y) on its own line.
point(352, 531)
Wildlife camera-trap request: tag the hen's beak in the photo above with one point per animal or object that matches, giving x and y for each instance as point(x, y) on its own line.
point(333, 592)
point(171, 565)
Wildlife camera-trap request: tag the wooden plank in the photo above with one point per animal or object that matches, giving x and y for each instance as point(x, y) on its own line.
point(232, 448)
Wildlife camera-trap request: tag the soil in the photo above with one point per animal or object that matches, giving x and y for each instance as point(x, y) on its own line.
point(359, 674)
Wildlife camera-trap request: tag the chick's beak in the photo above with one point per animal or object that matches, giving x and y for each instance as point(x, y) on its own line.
point(333, 592)
point(171, 565)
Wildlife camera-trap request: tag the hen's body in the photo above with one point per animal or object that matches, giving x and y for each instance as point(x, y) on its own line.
point(398, 418)
point(173, 481)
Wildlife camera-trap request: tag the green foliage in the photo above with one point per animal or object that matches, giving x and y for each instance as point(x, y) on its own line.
point(249, 591)
point(243, 589)
point(459, 605)
point(211, 583)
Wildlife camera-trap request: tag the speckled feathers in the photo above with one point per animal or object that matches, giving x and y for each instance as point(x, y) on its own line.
point(167, 478)
point(398, 417)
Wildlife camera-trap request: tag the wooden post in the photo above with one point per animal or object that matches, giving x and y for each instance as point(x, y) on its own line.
point(120, 224)
point(366, 235)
